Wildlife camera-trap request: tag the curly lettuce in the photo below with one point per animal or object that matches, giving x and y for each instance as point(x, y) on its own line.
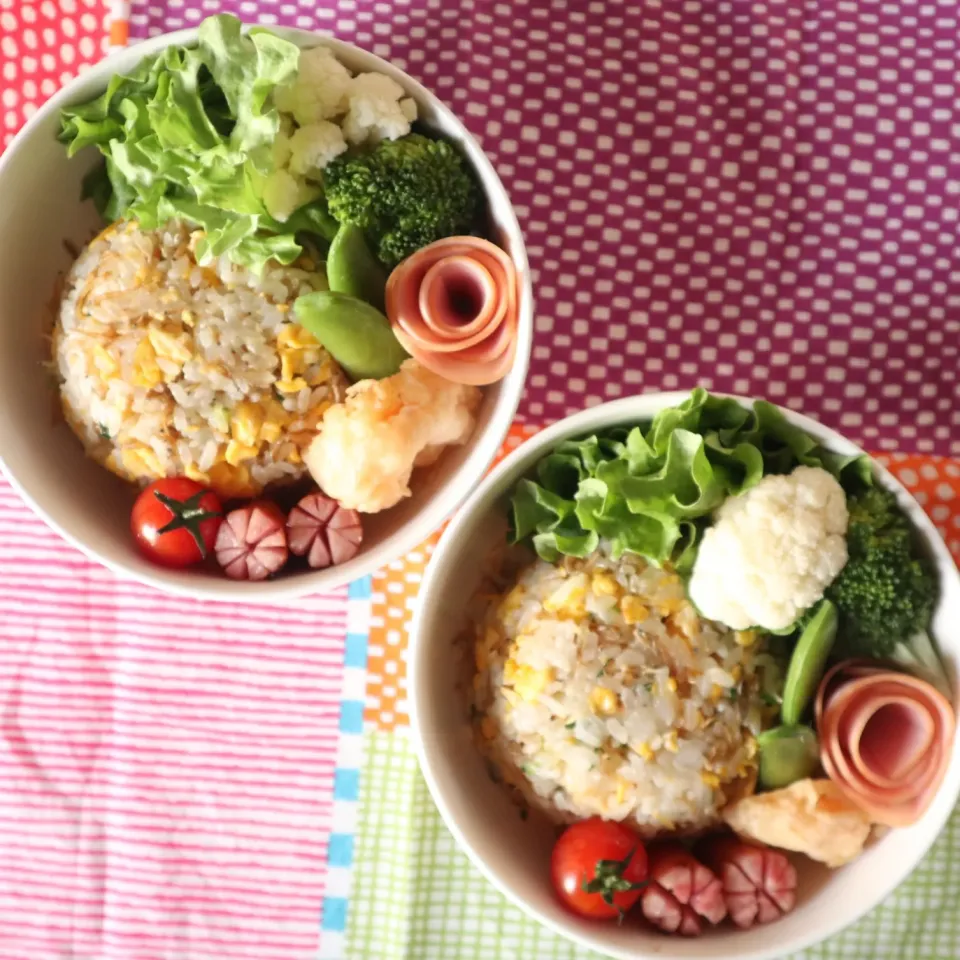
point(649, 491)
point(190, 134)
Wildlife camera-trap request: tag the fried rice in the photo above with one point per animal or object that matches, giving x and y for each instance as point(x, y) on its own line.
point(600, 691)
point(168, 368)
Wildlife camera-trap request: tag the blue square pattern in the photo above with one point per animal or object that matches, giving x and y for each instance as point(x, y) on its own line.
point(334, 914)
point(340, 850)
point(346, 780)
point(355, 652)
point(346, 784)
point(351, 716)
point(360, 589)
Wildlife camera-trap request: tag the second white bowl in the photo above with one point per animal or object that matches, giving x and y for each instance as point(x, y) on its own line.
point(515, 854)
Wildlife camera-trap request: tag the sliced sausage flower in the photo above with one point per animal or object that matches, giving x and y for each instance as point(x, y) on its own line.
point(759, 884)
point(886, 739)
point(682, 892)
point(453, 306)
point(252, 542)
point(323, 531)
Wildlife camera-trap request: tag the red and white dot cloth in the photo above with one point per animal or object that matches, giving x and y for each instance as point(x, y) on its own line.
point(43, 45)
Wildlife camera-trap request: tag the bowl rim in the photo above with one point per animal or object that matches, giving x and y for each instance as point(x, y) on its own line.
point(639, 407)
point(433, 514)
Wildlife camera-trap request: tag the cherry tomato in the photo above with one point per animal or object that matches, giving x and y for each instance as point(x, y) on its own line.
point(598, 868)
point(175, 521)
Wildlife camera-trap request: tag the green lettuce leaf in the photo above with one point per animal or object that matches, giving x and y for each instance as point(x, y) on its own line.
point(535, 508)
point(247, 67)
point(190, 134)
point(96, 187)
point(685, 485)
point(568, 541)
point(738, 467)
point(99, 120)
point(651, 490)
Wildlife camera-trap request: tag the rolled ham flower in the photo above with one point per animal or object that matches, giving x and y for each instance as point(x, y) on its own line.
point(453, 307)
point(885, 739)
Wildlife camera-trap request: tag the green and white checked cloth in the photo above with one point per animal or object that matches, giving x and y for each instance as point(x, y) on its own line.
point(417, 897)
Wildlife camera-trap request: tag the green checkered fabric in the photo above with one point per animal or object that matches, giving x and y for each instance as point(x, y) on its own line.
point(417, 897)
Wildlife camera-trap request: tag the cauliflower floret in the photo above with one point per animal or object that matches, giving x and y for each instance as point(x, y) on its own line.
point(319, 90)
point(367, 446)
point(772, 551)
point(283, 193)
point(281, 150)
point(378, 110)
point(312, 147)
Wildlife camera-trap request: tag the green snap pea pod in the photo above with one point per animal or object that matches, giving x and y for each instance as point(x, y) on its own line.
point(355, 334)
point(353, 269)
point(787, 754)
point(808, 662)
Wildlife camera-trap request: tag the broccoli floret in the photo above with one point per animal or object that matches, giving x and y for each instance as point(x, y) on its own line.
point(875, 509)
point(403, 194)
point(886, 592)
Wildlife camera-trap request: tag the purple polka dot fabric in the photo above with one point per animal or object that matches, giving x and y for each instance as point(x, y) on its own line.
point(759, 197)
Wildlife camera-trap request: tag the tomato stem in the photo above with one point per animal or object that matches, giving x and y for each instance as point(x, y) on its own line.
point(608, 880)
point(187, 515)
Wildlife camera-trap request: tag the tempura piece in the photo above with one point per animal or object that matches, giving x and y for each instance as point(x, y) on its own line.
point(367, 447)
point(810, 816)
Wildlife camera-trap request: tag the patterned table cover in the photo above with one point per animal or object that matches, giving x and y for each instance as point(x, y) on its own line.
point(759, 197)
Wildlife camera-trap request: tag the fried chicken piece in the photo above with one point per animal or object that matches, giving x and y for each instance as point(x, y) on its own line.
point(810, 816)
point(367, 447)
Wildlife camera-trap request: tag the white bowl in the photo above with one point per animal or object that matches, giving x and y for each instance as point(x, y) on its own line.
point(513, 854)
point(41, 213)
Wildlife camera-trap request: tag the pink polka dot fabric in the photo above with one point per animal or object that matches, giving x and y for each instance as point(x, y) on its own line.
point(760, 197)
point(43, 45)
